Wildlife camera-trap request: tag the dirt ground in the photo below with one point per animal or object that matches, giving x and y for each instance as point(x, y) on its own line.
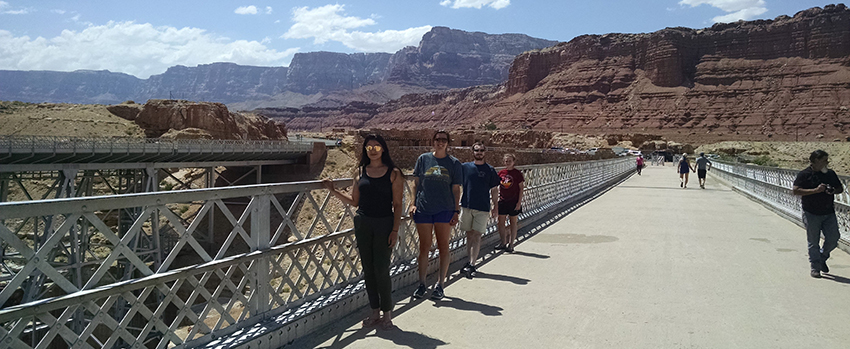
point(49, 119)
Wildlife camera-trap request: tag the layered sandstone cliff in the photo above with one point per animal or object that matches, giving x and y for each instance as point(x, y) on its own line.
point(769, 78)
point(781, 79)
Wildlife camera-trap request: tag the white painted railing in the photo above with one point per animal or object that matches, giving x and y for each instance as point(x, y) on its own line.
point(283, 262)
point(772, 186)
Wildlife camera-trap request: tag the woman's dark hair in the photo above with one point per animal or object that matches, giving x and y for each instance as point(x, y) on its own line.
point(817, 154)
point(443, 132)
point(385, 156)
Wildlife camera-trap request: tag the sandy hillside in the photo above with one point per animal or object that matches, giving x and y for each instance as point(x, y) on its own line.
point(48, 119)
point(793, 155)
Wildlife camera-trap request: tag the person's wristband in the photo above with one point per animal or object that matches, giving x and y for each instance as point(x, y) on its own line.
point(457, 211)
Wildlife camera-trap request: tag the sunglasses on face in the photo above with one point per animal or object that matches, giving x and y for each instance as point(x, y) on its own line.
point(478, 150)
point(373, 147)
point(442, 140)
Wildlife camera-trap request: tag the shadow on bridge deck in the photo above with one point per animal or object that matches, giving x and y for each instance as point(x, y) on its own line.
point(646, 265)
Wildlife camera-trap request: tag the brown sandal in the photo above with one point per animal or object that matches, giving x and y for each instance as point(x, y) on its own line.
point(370, 322)
point(387, 325)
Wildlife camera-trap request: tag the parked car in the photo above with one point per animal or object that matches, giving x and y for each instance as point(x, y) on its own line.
point(555, 150)
point(592, 151)
point(634, 152)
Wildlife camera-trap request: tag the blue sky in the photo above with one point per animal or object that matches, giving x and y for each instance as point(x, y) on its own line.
point(143, 38)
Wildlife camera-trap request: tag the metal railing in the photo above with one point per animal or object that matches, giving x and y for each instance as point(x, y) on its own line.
point(282, 248)
point(772, 187)
point(44, 144)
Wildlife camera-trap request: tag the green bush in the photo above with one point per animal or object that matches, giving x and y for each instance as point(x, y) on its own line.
point(765, 160)
point(490, 126)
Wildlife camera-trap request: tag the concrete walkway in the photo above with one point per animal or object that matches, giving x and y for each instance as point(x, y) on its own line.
point(646, 265)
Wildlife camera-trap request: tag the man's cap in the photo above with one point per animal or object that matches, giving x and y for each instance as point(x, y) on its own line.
point(701, 154)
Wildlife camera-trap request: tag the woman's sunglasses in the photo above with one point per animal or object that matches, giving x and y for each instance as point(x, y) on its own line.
point(373, 147)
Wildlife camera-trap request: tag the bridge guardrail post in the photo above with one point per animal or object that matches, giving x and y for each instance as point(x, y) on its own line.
point(261, 273)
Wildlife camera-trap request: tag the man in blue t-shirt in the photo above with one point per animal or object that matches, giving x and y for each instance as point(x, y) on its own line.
point(478, 203)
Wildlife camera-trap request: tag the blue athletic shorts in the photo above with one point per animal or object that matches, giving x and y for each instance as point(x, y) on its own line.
point(442, 217)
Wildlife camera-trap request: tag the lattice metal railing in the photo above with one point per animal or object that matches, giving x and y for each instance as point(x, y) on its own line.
point(10, 144)
point(160, 283)
point(772, 186)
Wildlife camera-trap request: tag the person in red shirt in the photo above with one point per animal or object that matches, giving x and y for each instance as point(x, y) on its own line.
point(639, 162)
point(510, 202)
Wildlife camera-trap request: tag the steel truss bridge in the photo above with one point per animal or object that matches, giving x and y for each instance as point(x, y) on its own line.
point(287, 266)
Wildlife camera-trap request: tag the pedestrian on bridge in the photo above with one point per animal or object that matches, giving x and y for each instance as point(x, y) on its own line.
point(436, 208)
point(510, 202)
point(684, 168)
point(703, 166)
point(817, 186)
point(639, 163)
point(478, 203)
point(377, 193)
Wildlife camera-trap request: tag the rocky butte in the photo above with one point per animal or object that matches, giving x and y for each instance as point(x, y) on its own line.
point(777, 79)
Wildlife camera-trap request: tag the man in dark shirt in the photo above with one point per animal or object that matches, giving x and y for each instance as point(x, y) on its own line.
point(817, 186)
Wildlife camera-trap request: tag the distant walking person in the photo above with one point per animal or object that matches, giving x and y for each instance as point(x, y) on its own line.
point(703, 166)
point(437, 188)
point(377, 193)
point(478, 203)
point(684, 168)
point(817, 186)
point(510, 202)
point(639, 162)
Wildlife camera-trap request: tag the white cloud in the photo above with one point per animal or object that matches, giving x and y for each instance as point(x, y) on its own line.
point(246, 10)
point(737, 9)
point(268, 10)
point(138, 49)
point(496, 4)
point(4, 8)
point(61, 12)
point(329, 23)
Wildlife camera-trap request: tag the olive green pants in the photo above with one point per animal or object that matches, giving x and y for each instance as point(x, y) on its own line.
point(373, 244)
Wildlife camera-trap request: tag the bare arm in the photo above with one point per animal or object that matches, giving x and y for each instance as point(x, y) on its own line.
point(456, 189)
point(353, 200)
point(521, 194)
point(803, 192)
point(494, 201)
point(398, 194)
point(412, 209)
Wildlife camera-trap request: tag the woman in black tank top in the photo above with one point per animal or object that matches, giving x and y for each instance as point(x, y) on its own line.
point(377, 194)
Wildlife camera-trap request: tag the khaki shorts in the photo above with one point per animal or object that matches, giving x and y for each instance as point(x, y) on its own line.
point(474, 220)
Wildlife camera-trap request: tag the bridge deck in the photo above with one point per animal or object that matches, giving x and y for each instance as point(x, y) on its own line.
point(646, 265)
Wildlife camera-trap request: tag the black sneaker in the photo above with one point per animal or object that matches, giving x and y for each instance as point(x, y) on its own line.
point(437, 293)
point(823, 267)
point(466, 269)
point(420, 291)
point(815, 273)
point(500, 247)
point(509, 250)
point(471, 273)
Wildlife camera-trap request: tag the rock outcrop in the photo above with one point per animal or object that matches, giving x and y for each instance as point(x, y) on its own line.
point(192, 120)
point(450, 58)
point(316, 72)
